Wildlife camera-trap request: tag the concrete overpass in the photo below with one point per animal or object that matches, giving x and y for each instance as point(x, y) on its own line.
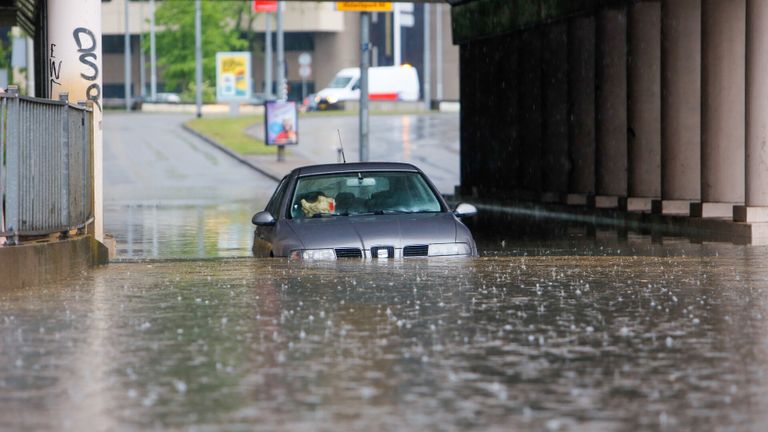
point(655, 106)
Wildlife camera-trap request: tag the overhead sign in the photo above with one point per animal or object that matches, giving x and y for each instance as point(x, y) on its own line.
point(265, 5)
point(364, 6)
point(233, 76)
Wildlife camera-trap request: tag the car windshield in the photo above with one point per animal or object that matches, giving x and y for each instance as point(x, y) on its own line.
point(340, 82)
point(357, 193)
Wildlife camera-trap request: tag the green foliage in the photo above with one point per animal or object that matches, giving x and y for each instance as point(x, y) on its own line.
point(209, 93)
point(175, 21)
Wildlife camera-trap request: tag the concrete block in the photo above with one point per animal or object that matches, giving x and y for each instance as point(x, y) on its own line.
point(639, 204)
point(34, 264)
point(712, 210)
point(610, 202)
point(580, 199)
point(750, 214)
point(671, 207)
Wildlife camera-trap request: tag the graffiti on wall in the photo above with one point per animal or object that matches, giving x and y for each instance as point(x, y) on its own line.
point(86, 46)
point(85, 41)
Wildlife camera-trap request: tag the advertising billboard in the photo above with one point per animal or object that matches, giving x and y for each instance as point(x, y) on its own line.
point(233, 76)
point(281, 122)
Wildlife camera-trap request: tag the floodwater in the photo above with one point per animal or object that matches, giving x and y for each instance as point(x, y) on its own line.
point(671, 338)
point(557, 327)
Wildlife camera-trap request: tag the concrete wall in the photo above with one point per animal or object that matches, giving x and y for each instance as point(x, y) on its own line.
point(35, 264)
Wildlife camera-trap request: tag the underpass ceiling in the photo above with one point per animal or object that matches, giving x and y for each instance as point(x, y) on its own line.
point(479, 19)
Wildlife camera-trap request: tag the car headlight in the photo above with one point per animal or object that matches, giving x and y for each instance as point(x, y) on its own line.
point(448, 249)
point(314, 254)
point(332, 99)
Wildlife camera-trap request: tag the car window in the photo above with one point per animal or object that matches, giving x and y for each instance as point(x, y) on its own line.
point(357, 193)
point(340, 82)
point(273, 206)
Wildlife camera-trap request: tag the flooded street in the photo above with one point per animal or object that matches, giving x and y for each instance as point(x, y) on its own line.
point(674, 341)
point(556, 327)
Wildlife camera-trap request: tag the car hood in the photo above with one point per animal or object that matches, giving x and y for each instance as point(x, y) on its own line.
point(375, 230)
point(338, 93)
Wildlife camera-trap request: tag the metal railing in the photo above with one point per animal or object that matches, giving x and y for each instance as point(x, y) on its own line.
point(46, 166)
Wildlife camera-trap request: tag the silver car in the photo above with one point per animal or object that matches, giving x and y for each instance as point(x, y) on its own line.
point(360, 210)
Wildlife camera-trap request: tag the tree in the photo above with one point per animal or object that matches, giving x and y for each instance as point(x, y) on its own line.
point(176, 40)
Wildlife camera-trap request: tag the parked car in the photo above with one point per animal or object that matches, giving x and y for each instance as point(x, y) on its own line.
point(376, 210)
point(168, 98)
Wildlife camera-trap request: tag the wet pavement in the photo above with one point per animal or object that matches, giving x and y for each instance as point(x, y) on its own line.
point(672, 338)
point(168, 194)
point(429, 141)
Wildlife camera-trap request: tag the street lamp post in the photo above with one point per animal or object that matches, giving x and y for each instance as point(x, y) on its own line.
point(365, 19)
point(198, 60)
point(127, 58)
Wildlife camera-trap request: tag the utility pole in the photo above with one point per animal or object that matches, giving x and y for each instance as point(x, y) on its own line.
point(365, 20)
point(198, 60)
point(439, 50)
point(282, 89)
point(152, 53)
point(268, 55)
point(396, 33)
point(142, 62)
point(127, 58)
point(427, 91)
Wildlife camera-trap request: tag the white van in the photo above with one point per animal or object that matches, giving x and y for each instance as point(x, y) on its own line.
point(393, 83)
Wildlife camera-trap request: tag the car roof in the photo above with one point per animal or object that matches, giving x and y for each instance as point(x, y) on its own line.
point(353, 167)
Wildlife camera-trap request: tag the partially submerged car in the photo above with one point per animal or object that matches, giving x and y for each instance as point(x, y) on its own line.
point(362, 210)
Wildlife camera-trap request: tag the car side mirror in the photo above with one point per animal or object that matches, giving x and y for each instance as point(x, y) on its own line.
point(465, 210)
point(263, 218)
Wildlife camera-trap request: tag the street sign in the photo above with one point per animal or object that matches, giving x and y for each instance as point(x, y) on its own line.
point(407, 19)
point(305, 71)
point(364, 6)
point(265, 5)
point(305, 59)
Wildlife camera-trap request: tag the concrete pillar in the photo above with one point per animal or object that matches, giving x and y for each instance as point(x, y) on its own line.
point(530, 113)
point(756, 187)
point(75, 67)
point(555, 161)
point(723, 85)
point(581, 79)
point(680, 106)
point(611, 107)
point(644, 111)
point(468, 121)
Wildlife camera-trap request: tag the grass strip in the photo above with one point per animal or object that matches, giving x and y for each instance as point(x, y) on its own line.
point(231, 133)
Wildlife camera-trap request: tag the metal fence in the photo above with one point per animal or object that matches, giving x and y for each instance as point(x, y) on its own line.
point(46, 166)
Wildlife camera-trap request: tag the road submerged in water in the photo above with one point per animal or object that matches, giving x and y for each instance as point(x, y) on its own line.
point(555, 327)
point(672, 337)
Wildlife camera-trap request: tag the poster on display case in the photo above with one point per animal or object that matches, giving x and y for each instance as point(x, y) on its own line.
point(281, 122)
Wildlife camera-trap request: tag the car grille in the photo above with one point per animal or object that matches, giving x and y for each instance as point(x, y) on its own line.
point(349, 253)
point(416, 251)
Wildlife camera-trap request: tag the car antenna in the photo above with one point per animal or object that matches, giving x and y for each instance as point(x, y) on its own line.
point(341, 147)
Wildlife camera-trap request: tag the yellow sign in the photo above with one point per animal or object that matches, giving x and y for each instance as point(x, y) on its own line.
point(364, 6)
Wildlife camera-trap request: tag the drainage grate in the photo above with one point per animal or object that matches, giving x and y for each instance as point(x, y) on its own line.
point(416, 251)
point(349, 253)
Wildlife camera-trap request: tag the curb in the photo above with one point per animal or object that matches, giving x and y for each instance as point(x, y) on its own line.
point(231, 153)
